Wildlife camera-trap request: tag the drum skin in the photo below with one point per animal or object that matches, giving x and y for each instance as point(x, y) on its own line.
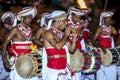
point(106, 58)
point(25, 66)
point(76, 61)
point(29, 65)
point(111, 56)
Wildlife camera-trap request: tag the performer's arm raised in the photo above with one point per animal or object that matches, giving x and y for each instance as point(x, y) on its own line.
point(51, 38)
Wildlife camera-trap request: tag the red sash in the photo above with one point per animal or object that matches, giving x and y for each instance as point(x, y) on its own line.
point(19, 48)
point(105, 41)
point(56, 63)
point(85, 34)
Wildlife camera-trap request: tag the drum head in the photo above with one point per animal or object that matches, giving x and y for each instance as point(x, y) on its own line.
point(106, 58)
point(76, 61)
point(25, 66)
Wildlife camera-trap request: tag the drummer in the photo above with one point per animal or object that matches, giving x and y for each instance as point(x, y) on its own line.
point(57, 52)
point(76, 23)
point(104, 39)
point(20, 37)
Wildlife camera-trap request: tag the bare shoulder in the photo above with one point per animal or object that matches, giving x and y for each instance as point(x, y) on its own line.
point(14, 30)
point(40, 29)
point(48, 35)
point(99, 29)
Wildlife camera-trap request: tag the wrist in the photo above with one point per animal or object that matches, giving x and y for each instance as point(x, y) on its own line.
point(74, 40)
point(65, 36)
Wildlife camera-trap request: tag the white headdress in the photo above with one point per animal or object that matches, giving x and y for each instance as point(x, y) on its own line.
point(57, 15)
point(27, 11)
point(46, 15)
point(11, 15)
point(76, 11)
point(103, 15)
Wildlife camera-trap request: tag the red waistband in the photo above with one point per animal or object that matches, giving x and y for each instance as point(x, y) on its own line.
point(18, 49)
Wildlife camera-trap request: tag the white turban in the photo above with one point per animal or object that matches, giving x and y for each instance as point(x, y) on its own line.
point(103, 15)
point(57, 15)
point(11, 15)
point(6, 15)
point(46, 15)
point(27, 11)
point(76, 11)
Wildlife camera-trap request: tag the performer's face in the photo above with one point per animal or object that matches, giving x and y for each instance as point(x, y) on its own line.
point(63, 24)
point(107, 20)
point(75, 18)
point(27, 20)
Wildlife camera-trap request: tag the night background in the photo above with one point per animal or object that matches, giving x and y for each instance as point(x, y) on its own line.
point(16, 5)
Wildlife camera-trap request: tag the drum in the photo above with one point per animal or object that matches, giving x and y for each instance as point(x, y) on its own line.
point(76, 61)
point(92, 60)
point(85, 61)
point(29, 65)
point(112, 56)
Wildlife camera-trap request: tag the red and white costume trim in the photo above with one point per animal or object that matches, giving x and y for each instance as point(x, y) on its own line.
point(25, 32)
point(80, 44)
point(19, 48)
point(106, 41)
point(58, 33)
point(75, 26)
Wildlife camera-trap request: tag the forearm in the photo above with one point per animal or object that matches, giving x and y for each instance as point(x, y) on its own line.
point(38, 42)
point(95, 37)
point(72, 46)
point(4, 55)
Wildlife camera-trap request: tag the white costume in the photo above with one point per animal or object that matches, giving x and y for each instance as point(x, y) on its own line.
point(50, 73)
point(109, 72)
point(3, 73)
point(27, 34)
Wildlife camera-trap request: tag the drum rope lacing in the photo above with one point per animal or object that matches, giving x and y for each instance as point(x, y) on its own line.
point(118, 57)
